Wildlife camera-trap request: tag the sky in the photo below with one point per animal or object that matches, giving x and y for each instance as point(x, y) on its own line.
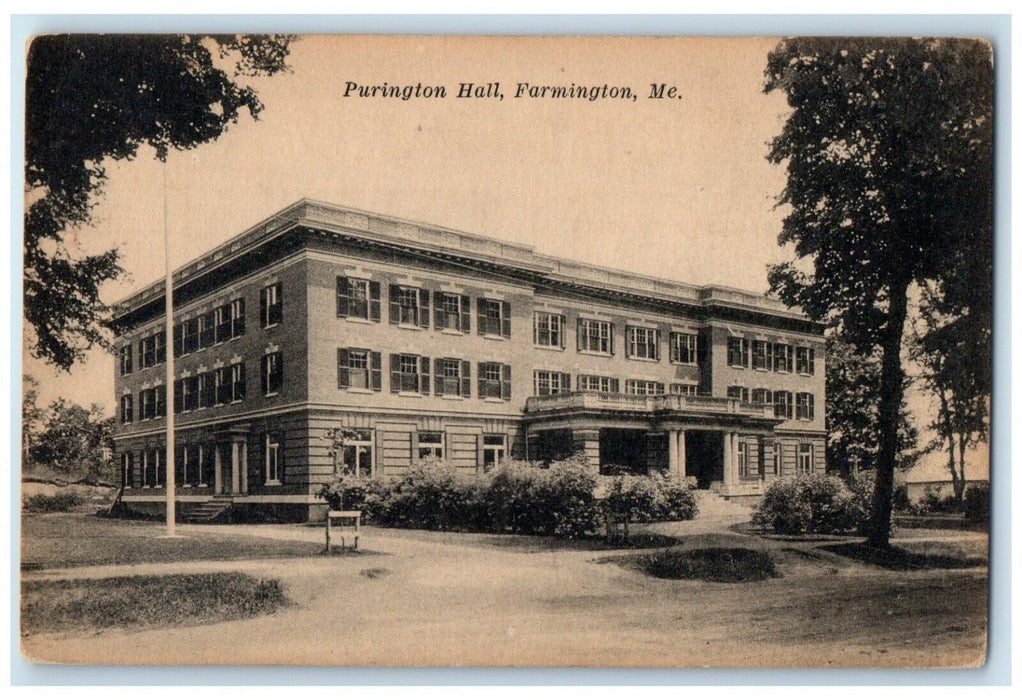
point(677, 188)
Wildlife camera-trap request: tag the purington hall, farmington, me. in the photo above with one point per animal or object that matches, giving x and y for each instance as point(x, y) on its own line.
point(427, 342)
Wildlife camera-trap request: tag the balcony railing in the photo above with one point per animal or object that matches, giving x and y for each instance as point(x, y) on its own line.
point(602, 400)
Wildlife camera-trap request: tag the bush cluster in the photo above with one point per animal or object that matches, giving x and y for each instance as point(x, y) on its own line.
point(813, 504)
point(649, 499)
point(518, 497)
point(977, 503)
point(60, 502)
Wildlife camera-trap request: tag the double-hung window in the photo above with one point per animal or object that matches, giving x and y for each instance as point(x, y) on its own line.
point(273, 459)
point(222, 323)
point(237, 381)
point(494, 381)
point(643, 343)
point(494, 450)
point(782, 404)
point(737, 351)
point(595, 336)
point(759, 354)
point(548, 329)
point(409, 306)
point(409, 374)
point(359, 369)
point(207, 329)
point(272, 373)
point(207, 390)
point(643, 387)
point(452, 311)
point(782, 357)
point(126, 408)
point(430, 445)
point(357, 454)
point(593, 382)
point(764, 396)
point(237, 318)
point(738, 392)
point(683, 389)
point(358, 298)
point(683, 348)
point(805, 458)
point(804, 406)
point(494, 317)
point(805, 360)
point(452, 377)
point(222, 379)
point(271, 305)
point(125, 354)
point(546, 383)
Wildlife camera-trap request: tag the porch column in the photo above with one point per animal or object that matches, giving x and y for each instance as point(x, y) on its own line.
point(682, 466)
point(673, 466)
point(588, 443)
point(730, 453)
point(243, 449)
point(218, 470)
point(235, 471)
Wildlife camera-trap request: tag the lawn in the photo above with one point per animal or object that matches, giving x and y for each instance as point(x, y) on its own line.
point(146, 601)
point(61, 540)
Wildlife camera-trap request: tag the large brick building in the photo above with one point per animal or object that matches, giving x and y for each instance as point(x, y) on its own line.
point(432, 342)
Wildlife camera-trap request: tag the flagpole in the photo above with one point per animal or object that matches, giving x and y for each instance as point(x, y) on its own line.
point(170, 466)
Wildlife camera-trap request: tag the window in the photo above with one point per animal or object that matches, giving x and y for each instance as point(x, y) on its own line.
point(125, 355)
point(127, 466)
point(743, 457)
point(548, 329)
point(409, 306)
point(222, 323)
point(737, 352)
point(359, 369)
point(759, 354)
point(206, 390)
point(145, 409)
point(805, 458)
point(272, 373)
point(782, 357)
point(683, 348)
point(546, 383)
point(430, 445)
point(273, 466)
point(187, 392)
point(152, 467)
point(738, 392)
point(126, 408)
point(452, 311)
point(595, 336)
point(762, 396)
point(152, 350)
point(778, 461)
point(494, 317)
point(358, 298)
point(494, 451)
point(643, 387)
point(357, 454)
point(494, 381)
point(643, 343)
point(271, 305)
point(237, 318)
point(190, 336)
point(592, 382)
point(187, 465)
point(782, 404)
point(805, 360)
point(160, 402)
point(409, 374)
point(222, 381)
point(685, 389)
point(237, 381)
point(452, 377)
point(804, 406)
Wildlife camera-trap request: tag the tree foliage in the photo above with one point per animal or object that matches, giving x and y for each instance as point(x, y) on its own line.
point(73, 440)
point(90, 98)
point(889, 156)
point(853, 427)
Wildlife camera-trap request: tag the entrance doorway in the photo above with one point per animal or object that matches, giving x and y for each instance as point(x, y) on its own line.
point(623, 452)
point(704, 456)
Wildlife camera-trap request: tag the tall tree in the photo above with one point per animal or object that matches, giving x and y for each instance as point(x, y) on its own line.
point(72, 439)
point(853, 427)
point(889, 156)
point(90, 98)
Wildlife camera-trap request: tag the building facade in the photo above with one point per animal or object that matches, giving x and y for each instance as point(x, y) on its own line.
point(426, 342)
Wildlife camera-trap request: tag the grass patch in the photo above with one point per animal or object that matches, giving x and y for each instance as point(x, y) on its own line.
point(904, 560)
point(146, 601)
point(717, 564)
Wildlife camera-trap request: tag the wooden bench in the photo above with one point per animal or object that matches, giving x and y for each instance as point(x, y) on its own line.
point(350, 521)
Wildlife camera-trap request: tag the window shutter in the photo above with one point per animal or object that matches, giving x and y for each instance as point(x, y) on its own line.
point(179, 343)
point(656, 346)
point(565, 382)
point(424, 375)
point(660, 389)
point(466, 379)
point(178, 383)
point(481, 380)
point(342, 369)
point(564, 328)
point(376, 370)
point(612, 339)
point(278, 308)
point(343, 295)
point(263, 318)
point(480, 316)
point(438, 376)
point(395, 373)
point(535, 328)
point(263, 374)
point(505, 319)
point(424, 308)
point(395, 308)
point(241, 384)
point(466, 313)
point(578, 334)
point(505, 382)
point(440, 319)
point(374, 301)
point(615, 385)
point(811, 407)
point(628, 341)
point(812, 361)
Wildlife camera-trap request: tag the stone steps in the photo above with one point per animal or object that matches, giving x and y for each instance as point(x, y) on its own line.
point(713, 506)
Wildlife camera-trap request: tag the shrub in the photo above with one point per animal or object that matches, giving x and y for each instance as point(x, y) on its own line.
point(557, 500)
point(711, 564)
point(352, 493)
point(430, 496)
point(977, 503)
point(933, 502)
point(900, 501)
point(648, 499)
point(60, 502)
point(816, 503)
point(679, 502)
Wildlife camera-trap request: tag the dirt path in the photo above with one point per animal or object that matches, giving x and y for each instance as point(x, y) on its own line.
point(428, 599)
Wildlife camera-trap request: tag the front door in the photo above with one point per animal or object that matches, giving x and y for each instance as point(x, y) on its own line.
point(704, 456)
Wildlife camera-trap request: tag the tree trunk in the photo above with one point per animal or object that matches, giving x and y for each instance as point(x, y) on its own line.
point(945, 408)
point(960, 486)
point(891, 394)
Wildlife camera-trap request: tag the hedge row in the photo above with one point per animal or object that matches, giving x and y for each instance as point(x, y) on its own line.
point(559, 500)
